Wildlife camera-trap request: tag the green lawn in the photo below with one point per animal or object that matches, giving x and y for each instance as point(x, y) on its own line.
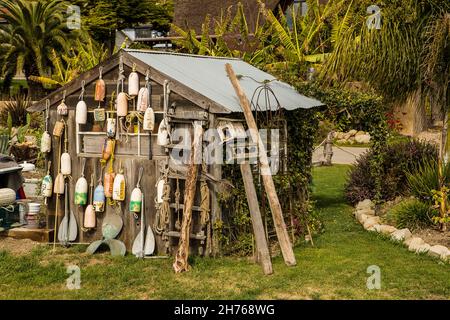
point(334, 269)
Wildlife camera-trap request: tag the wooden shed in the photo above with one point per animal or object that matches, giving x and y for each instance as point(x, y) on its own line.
point(184, 89)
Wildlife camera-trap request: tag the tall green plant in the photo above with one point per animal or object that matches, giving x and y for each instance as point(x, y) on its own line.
point(32, 30)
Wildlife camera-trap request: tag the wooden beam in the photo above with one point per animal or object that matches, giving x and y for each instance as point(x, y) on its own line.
point(262, 248)
point(269, 186)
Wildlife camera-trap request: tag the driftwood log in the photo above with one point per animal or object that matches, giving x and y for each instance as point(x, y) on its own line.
point(181, 258)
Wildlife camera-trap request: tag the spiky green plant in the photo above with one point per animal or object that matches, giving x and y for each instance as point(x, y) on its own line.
point(16, 110)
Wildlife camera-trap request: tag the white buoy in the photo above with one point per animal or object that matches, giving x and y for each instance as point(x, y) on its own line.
point(81, 112)
point(122, 104)
point(66, 166)
point(149, 119)
point(47, 184)
point(58, 186)
point(119, 187)
point(142, 101)
point(46, 142)
point(90, 219)
point(163, 135)
point(133, 84)
point(136, 194)
point(81, 187)
point(160, 191)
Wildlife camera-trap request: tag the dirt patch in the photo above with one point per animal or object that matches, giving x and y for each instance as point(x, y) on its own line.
point(434, 237)
point(18, 247)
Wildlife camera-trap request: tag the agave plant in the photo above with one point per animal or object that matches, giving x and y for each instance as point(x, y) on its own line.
point(16, 111)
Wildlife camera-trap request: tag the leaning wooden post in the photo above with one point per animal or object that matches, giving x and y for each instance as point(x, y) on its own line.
point(269, 186)
point(181, 258)
point(262, 249)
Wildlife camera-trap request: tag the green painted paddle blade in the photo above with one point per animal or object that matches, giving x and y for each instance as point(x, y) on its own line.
point(117, 247)
point(93, 247)
point(112, 225)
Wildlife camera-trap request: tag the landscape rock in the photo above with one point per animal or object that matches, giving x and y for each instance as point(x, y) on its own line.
point(385, 229)
point(365, 138)
point(370, 222)
point(423, 248)
point(342, 141)
point(365, 204)
point(360, 133)
point(437, 251)
point(362, 217)
point(414, 243)
point(401, 235)
point(446, 255)
point(352, 133)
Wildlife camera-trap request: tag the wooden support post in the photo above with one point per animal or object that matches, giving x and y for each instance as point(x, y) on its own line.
point(275, 207)
point(262, 250)
point(181, 258)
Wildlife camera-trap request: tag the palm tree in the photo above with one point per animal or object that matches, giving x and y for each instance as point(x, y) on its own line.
point(32, 30)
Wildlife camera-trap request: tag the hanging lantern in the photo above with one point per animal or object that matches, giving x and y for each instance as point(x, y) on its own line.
point(133, 83)
point(122, 104)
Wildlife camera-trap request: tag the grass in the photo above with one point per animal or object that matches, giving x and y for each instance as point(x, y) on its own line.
point(334, 269)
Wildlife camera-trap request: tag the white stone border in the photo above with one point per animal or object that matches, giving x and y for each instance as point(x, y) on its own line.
point(365, 214)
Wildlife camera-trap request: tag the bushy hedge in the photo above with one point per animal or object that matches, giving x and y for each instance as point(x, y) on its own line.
point(347, 109)
point(398, 159)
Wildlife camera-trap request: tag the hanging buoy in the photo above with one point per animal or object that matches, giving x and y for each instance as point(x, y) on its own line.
point(160, 191)
point(119, 187)
point(66, 165)
point(47, 184)
point(107, 149)
point(133, 83)
point(99, 198)
point(58, 129)
point(90, 220)
point(149, 120)
point(111, 125)
point(62, 109)
point(122, 104)
point(100, 87)
point(46, 142)
point(136, 194)
point(81, 187)
point(163, 134)
point(142, 101)
point(109, 184)
point(81, 112)
point(58, 186)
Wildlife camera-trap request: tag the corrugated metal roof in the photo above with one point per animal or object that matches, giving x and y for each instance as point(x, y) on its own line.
point(207, 76)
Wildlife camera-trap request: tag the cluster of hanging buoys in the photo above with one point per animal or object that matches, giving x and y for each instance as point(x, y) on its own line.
point(81, 109)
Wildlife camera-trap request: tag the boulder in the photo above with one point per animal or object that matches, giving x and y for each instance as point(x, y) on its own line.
point(369, 212)
point(373, 228)
point(360, 133)
point(423, 248)
point(385, 229)
point(365, 204)
point(352, 133)
point(341, 141)
point(370, 222)
point(365, 138)
point(363, 217)
point(338, 135)
point(414, 243)
point(401, 235)
point(446, 255)
point(437, 251)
